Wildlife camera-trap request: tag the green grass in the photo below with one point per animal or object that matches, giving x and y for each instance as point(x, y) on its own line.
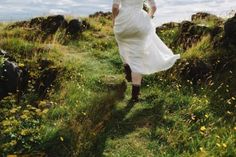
point(201, 50)
point(89, 113)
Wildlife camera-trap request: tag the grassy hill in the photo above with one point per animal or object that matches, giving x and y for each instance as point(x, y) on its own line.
point(76, 102)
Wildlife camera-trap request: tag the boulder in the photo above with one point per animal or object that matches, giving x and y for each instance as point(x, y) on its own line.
point(107, 15)
point(167, 26)
point(189, 34)
point(230, 31)
point(74, 27)
point(201, 16)
point(195, 70)
point(48, 74)
point(53, 23)
point(85, 25)
point(12, 78)
point(36, 22)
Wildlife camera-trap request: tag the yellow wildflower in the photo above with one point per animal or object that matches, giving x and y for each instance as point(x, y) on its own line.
point(21, 65)
point(24, 132)
point(6, 123)
point(45, 111)
point(26, 112)
point(24, 116)
point(13, 142)
point(203, 128)
point(38, 110)
point(224, 145)
point(13, 110)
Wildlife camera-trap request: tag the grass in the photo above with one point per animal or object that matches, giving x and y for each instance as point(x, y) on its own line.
point(201, 50)
point(86, 112)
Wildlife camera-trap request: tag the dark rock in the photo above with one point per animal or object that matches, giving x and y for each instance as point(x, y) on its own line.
point(204, 18)
point(230, 31)
point(36, 22)
point(107, 15)
point(167, 26)
point(201, 16)
point(47, 75)
point(53, 23)
point(12, 77)
point(85, 25)
point(195, 70)
point(74, 27)
point(216, 36)
point(216, 30)
point(19, 24)
point(9, 74)
point(46, 27)
point(171, 25)
point(189, 34)
point(45, 80)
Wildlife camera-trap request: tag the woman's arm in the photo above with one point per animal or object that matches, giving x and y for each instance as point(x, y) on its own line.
point(153, 7)
point(115, 9)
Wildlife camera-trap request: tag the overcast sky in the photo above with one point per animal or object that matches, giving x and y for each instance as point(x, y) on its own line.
point(168, 10)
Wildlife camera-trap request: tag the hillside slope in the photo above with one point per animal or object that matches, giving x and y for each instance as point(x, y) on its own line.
point(76, 99)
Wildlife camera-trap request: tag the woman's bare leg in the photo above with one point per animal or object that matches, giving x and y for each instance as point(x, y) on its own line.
point(136, 78)
point(136, 84)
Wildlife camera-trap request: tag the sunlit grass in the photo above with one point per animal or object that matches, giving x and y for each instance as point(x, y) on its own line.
point(86, 111)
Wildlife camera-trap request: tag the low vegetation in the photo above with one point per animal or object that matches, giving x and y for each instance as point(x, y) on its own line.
point(84, 110)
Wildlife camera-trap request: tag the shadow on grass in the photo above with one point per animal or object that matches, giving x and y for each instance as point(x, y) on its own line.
point(119, 125)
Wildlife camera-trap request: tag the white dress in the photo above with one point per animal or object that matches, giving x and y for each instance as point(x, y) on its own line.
point(139, 45)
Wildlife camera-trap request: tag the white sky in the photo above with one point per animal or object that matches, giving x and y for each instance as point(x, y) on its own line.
point(168, 10)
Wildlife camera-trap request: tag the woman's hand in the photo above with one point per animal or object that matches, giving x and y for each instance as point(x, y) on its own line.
point(115, 12)
point(153, 8)
point(152, 11)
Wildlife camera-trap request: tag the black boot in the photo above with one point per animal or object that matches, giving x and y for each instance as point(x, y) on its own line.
point(135, 93)
point(127, 71)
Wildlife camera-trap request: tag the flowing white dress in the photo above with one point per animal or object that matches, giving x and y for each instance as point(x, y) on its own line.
point(139, 45)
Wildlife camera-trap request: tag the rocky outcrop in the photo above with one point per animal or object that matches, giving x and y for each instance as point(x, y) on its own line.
point(13, 78)
point(189, 34)
point(47, 76)
point(74, 27)
point(107, 15)
point(201, 16)
point(52, 23)
point(48, 26)
point(194, 70)
point(230, 31)
point(169, 25)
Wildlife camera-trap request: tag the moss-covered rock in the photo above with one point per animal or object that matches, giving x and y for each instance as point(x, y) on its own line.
point(189, 34)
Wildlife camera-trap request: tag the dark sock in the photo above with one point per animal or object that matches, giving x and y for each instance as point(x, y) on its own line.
point(127, 71)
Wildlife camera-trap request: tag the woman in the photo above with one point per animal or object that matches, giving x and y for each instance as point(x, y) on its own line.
point(141, 50)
